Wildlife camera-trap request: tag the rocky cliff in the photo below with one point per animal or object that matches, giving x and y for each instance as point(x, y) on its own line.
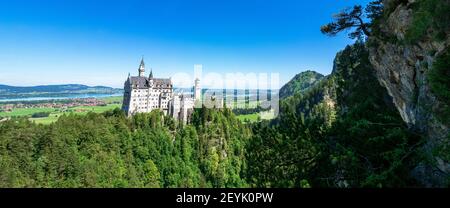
point(403, 68)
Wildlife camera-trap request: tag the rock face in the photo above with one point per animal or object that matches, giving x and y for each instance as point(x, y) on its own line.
point(402, 68)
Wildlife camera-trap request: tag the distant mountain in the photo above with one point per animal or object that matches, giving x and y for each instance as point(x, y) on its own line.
point(300, 83)
point(8, 92)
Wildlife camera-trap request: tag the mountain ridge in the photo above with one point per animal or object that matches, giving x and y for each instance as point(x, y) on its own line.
point(11, 92)
point(4, 86)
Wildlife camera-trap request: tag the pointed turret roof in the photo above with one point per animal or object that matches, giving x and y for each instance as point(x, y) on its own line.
point(151, 73)
point(142, 62)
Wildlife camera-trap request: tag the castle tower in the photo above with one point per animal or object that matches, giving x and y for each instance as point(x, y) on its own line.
point(142, 68)
point(197, 90)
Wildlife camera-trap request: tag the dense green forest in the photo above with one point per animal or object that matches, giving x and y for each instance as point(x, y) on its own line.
point(110, 150)
point(300, 83)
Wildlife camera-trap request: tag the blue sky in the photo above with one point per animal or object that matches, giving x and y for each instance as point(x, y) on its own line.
point(100, 42)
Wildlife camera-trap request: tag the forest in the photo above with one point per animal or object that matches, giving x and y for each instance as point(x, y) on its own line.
point(110, 150)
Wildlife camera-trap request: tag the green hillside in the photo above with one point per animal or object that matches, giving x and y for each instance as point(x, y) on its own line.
point(300, 83)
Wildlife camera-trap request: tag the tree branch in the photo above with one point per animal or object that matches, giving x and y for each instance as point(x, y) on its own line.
point(363, 26)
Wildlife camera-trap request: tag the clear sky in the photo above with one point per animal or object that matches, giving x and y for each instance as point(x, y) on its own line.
point(98, 42)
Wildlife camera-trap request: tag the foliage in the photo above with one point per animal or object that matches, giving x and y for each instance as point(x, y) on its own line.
point(40, 115)
point(374, 9)
point(300, 83)
point(248, 111)
point(439, 78)
point(111, 150)
point(354, 18)
point(250, 118)
point(430, 17)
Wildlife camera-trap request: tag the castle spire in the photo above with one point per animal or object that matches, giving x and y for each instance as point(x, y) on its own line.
point(142, 68)
point(151, 73)
point(142, 61)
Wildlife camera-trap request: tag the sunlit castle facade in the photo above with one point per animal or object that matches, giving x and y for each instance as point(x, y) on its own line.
point(144, 94)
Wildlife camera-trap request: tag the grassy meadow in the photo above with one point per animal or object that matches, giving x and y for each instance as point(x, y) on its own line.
point(255, 117)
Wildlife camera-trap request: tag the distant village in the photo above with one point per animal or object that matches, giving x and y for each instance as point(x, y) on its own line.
point(60, 104)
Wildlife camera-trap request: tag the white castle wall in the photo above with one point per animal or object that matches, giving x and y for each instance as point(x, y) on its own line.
point(151, 97)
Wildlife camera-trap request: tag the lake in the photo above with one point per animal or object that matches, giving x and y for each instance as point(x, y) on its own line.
point(236, 93)
point(75, 96)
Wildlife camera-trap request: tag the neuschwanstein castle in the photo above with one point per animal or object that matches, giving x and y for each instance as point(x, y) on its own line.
point(144, 94)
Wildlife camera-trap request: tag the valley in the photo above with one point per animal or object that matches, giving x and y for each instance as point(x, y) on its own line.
point(57, 108)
